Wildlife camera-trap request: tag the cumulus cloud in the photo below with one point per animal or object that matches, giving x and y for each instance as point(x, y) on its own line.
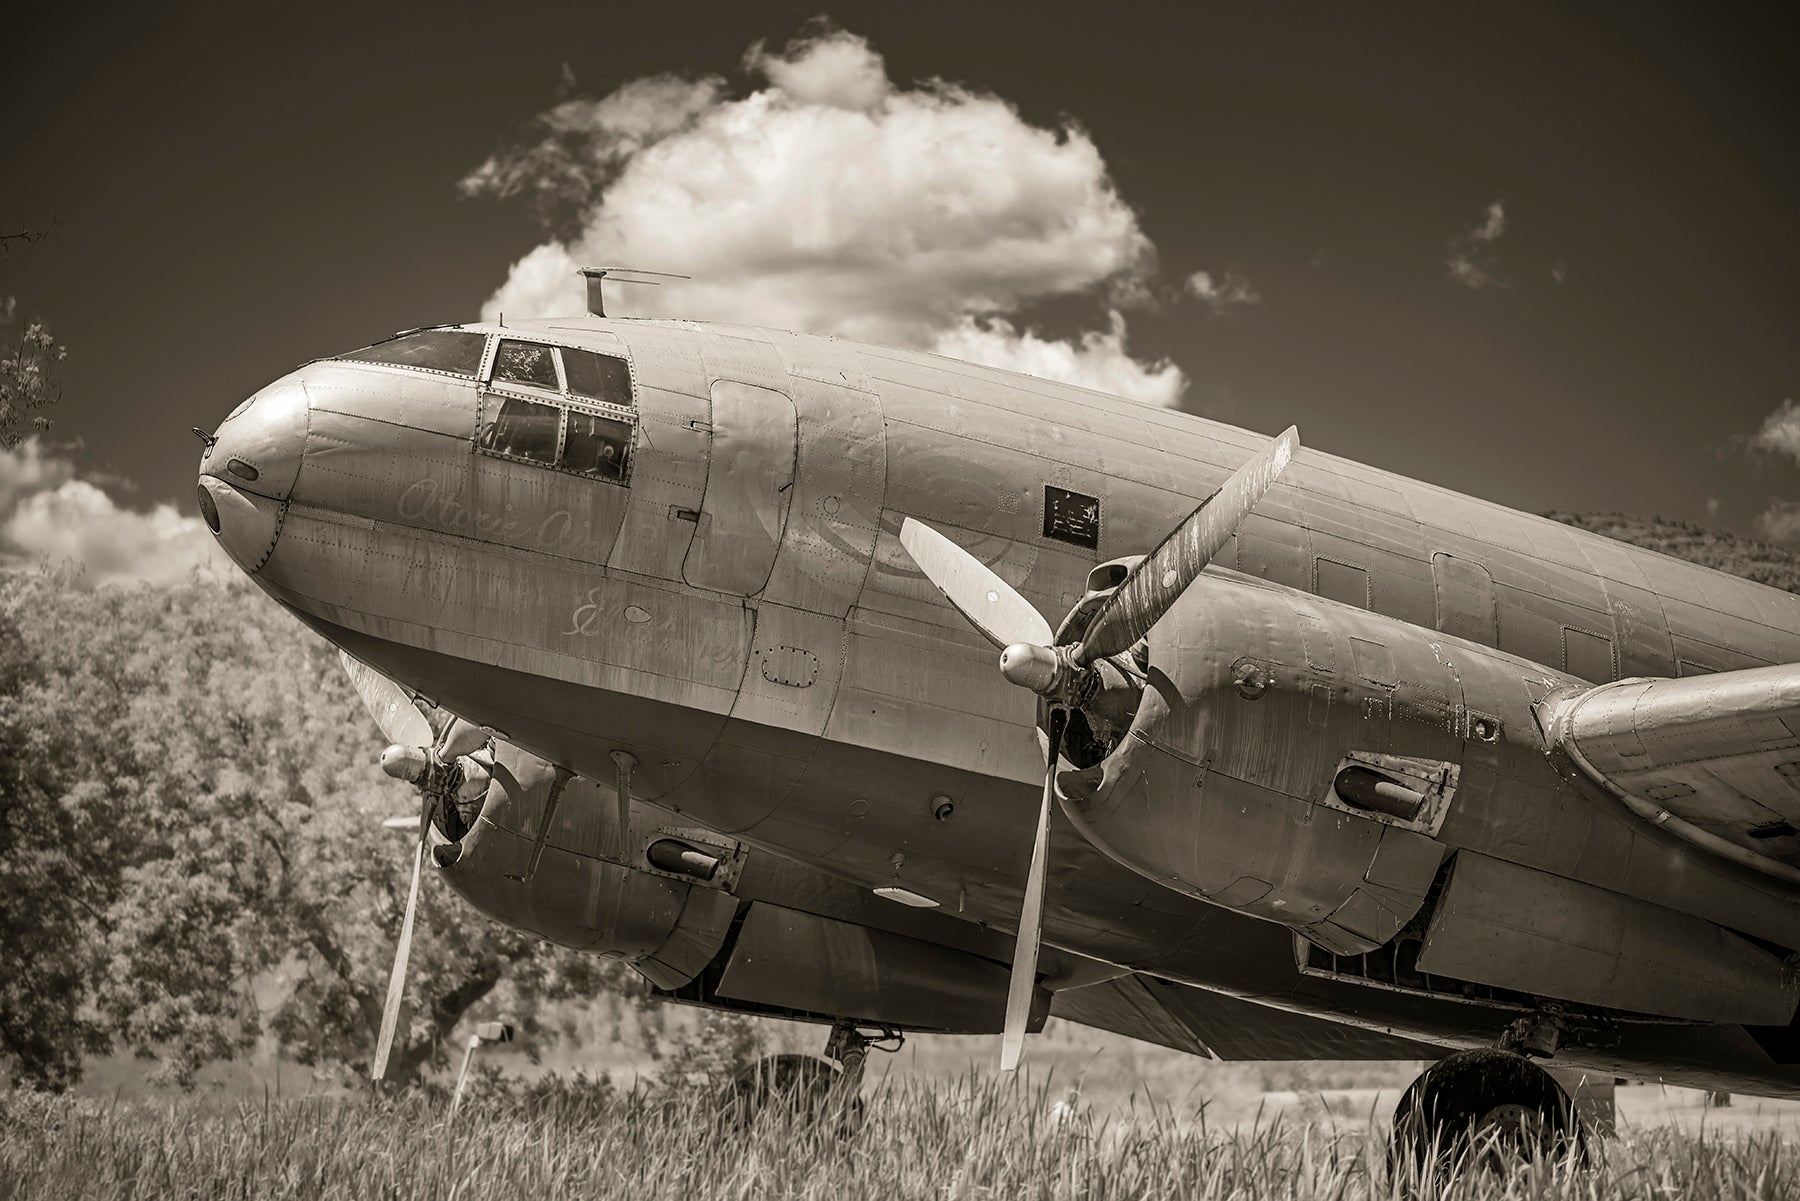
point(1780, 522)
point(832, 200)
point(1472, 260)
point(1097, 360)
point(27, 469)
point(1221, 292)
point(1780, 432)
point(47, 512)
point(582, 143)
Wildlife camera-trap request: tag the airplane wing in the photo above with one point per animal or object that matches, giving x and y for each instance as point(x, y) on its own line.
point(1714, 759)
point(1201, 1022)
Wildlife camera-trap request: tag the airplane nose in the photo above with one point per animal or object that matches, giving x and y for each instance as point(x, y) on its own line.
point(245, 524)
point(247, 473)
point(258, 447)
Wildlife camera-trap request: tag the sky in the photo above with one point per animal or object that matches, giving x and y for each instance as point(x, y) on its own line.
point(1547, 255)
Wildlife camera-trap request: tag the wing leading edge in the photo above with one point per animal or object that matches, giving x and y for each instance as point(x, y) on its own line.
point(1714, 759)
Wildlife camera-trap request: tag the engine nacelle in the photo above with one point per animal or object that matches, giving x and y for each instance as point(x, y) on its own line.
point(586, 884)
point(1291, 758)
point(703, 923)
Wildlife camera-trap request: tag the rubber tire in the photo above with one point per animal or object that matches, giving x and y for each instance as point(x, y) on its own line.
point(806, 1085)
point(1471, 1100)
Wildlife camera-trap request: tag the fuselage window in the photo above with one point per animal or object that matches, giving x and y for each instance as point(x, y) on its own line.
point(526, 363)
point(524, 429)
point(456, 351)
point(1342, 582)
point(1588, 655)
point(596, 445)
point(597, 376)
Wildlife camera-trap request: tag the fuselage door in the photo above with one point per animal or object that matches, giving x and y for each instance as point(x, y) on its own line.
point(748, 486)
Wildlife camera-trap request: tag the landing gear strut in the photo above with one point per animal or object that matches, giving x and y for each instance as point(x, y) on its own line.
point(1481, 1108)
point(815, 1089)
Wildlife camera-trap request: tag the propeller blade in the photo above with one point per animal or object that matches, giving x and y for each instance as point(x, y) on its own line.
point(393, 710)
point(461, 738)
point(1164, 574)
point(1031, 914)
point(390, 1012)
point(989, 602)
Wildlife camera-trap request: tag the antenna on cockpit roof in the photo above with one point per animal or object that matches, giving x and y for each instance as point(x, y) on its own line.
point(596, 277)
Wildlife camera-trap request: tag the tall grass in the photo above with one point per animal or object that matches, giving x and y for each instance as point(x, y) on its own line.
point(967, 1139)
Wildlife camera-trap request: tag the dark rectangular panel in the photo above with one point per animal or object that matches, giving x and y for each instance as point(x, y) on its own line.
point(1589, 655)
point(1071, 517)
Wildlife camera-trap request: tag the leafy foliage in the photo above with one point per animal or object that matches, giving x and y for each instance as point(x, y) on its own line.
point(192, 816)
point(28, 383)
point(1764, 562)
point(52, 871)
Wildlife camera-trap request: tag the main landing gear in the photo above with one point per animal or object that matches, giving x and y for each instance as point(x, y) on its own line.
point(814, 1089)
point(1486, 1108)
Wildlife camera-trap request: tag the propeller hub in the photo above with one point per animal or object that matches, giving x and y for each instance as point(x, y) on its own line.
point(409, 763)
point(1030, 666)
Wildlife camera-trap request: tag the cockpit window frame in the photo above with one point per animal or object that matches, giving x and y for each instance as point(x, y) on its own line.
point(530, 386)
point(483, 364)
point(493, 394)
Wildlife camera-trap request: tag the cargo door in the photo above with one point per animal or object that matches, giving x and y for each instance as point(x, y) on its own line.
point(749, 484)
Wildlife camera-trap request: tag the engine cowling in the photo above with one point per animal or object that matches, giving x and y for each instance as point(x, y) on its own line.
point(1291, 758)
point(590, 886)
point(692, 912)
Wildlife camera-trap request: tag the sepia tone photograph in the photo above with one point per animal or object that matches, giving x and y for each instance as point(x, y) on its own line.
point(900, 601)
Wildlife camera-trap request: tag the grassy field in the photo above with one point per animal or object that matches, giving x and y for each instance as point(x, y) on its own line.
point(967, 1138)
point(941, 1124)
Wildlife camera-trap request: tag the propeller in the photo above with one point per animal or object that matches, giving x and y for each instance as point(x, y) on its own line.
point(390, 1010)
point(1027, 659)
point(400, 720)
point(421, 738)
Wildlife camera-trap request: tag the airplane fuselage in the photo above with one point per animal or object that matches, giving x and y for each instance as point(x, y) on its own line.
point(726, 599)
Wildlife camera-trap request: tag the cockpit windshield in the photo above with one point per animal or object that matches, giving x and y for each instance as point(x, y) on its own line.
point(529, 363)
point(452, 350)
point(597, 376)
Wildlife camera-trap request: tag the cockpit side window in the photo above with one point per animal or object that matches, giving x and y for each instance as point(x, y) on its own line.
point(596, 446)
point(597, 376)
point(585, 426)
point(527, 363)
point(455, 351)
point(524, 429)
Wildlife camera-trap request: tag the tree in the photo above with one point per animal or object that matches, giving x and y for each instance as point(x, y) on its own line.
point(27, 366)
point(28, 383)
point(216, 779)
point(52, 888)
point(1764, 562)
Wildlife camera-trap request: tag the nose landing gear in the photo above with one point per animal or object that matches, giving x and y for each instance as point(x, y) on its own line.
point(815, 1089)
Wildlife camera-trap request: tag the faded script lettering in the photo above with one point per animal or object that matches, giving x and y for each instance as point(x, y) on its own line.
point(556, 533)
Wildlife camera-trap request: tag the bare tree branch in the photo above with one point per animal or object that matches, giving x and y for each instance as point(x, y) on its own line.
point(24, 237)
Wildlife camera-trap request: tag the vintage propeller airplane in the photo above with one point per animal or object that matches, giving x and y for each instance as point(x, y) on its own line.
point(1342, 765)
